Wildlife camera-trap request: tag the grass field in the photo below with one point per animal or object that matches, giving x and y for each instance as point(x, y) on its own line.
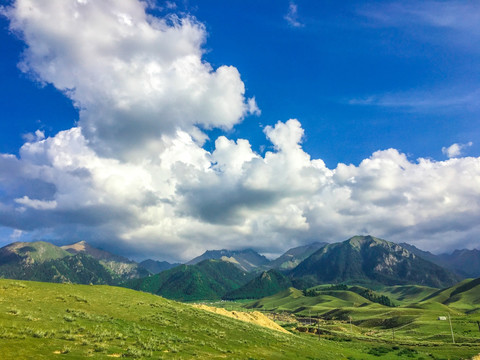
point(45, 321)
point(413, 322)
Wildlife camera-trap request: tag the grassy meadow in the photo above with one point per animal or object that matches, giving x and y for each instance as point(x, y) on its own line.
point(46, 320)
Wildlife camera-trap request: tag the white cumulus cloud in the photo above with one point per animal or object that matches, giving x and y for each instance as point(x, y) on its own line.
point(134, 77)
point(455, 150)
point(134, 178)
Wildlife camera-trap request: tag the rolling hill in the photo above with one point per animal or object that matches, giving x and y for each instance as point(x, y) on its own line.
point(46, 321)
point(365, 259)
point(266, 284)
point(464, 296)
point(207, 280)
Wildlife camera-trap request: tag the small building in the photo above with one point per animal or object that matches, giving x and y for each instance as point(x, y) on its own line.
point(443, 318)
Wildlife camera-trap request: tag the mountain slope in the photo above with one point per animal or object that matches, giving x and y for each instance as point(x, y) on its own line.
point(156, 267)
point(295, 256)
point(465, 263)
point(119, 265)
point(368, 259)
point(207, 280)
point(266, 284)
point(247, 260)
point(29, 253)
point(80, 269)
point(42, 261)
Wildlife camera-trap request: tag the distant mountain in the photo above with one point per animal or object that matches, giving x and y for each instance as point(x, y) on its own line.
point(295, 256)
point(156, 267)
point(247, 260)
point(266, 284)
point(42, 261)
point(465, 263)
point(119, 265)
point(207, 280)
point(77, 263)
point(29, 253)
point(363, 259)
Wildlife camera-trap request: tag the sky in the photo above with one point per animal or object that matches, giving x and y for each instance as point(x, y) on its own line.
point(161, 129)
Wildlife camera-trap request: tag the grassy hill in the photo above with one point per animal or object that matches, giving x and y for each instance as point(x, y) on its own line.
point(207, 280)
point(46, 320)
point(40, 320)
point(407, 294)
point(464, 296)
point(266, 284)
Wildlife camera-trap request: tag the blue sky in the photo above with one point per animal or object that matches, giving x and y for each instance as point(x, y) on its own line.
point(360, 77)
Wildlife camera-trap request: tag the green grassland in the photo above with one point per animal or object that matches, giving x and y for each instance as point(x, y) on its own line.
point(46, 320)
point(414, 321)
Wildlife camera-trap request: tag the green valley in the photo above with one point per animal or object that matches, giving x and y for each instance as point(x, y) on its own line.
point(45, 320)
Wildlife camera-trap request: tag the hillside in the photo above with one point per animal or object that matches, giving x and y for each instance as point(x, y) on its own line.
point(408, 293)
point(29, 253)
point(364, 259)
point(44, 321)
point(464, 262)
point(266, 284)
point(207, 280)
point(80, 269)
point(246, 260)
point(292, 257)
point(122, 267)
point(156, 267)
point(464, 296)
point(78, 263)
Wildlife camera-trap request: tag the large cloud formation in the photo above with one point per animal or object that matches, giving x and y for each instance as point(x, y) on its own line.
point(134, 175)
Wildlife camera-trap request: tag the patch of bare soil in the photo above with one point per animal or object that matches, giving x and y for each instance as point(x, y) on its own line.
point(251, 317)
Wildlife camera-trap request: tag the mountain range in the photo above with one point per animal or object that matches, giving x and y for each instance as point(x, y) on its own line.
point(239, 274)
point(292, 257)
point(155, 266)
point(365, 259)
point(247, 260)
point(465, 263)
point(76, 263)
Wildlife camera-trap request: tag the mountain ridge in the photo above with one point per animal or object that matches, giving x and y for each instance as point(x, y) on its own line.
point(246, 259)
point(366, 258)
